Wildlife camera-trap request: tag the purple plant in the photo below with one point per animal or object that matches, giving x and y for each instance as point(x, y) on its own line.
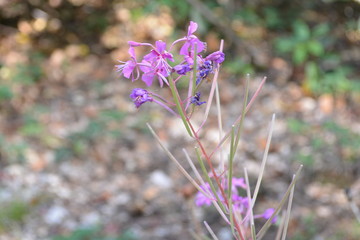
point(222, 190)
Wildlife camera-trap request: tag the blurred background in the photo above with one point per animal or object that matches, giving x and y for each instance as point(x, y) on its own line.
point(77, 161)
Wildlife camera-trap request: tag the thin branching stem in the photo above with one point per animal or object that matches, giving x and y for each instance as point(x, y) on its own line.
point(262, 167)
point(182, 170)
point(243, 113)
point(211, 95)
point(218, 107)
point(239, 118)
point(208, 179)
point(281, 226)
point(216, 177)
point(230, 174)
point(264, 228)
point(210, 231)
point(179, 105)
point(287, 216)
point(252, 224)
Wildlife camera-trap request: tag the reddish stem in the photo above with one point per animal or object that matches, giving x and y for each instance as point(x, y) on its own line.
point(208, 160)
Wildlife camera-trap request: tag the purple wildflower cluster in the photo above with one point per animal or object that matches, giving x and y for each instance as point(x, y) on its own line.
point(156, 66)
point(163, 65)
point(240, 204)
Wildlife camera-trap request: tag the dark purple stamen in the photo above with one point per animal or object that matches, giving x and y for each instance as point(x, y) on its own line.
point(196, 99)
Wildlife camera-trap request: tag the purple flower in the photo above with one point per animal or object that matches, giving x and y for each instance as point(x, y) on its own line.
point(196, 99)
point(201, 199)
point(190, 41)
point(205, 69)
point(155, 64)
point(238, 182)
point(140, 96)
point(150, 72)
point(182, 69)
point(268, 213)
point(159, 53)
point(127, 68)
point(241, 204)
point(217, 57)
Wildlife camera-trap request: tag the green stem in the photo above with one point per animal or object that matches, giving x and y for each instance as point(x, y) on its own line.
point(179, 105)
point(203, 168)
point(242, 115)
point(230, 174)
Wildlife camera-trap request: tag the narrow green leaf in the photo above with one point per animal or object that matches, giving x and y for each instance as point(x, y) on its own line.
point(208, 179)
point(263, 230)
point(182, 170)
point(301, 30)
point(300, 54)
point(315, 48)
point(179, 106)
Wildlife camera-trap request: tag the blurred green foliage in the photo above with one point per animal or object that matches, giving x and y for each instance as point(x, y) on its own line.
point(352, 232)
point(308, 47)
point(30, 72)
point(239, 67)
point(105, 125)
point(308, 229)
point(304, 43)
point(12, 151)
point(5, 93)
point(182, 8)
point(13, 213)
point(334, 81)
point(94, 233)
point(20, 75)
point(345, 139)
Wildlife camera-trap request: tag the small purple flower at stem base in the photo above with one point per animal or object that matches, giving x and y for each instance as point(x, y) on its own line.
point(201, 199)
point(238, 182)
point(241, 204)
point(140, 96)
point(196, 99)
point(267, 214)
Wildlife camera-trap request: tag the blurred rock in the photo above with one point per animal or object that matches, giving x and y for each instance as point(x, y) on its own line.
point(307, 104)
point(90, 219)
point(280, 71)
point(225, 234)
point(55, 215)
point(326, 103)
point(161, 180)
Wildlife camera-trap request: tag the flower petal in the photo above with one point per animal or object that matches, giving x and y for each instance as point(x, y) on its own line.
point(151, 56)
point(148, 78)
point(160, 46)
point(129, 68)
point(192, 28)
point(185, 49)
point(134, 44)
point(131, 51)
